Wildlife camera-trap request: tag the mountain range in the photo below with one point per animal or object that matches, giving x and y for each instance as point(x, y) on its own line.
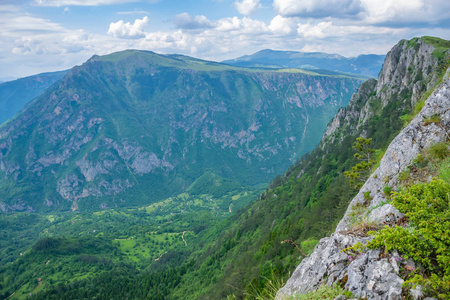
point(310, 222)
point(367, 65)
point(135, 127)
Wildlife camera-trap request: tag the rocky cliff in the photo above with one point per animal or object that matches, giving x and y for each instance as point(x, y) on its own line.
point(410, 69)
point(150, 125)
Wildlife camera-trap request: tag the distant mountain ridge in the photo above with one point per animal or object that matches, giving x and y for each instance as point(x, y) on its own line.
point(14, 95)
point(152, 124)
point(366, 64)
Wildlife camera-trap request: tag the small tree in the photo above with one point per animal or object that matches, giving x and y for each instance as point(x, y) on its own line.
point(361, 171)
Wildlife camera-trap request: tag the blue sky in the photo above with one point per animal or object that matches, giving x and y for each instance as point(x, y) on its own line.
point(47, 35)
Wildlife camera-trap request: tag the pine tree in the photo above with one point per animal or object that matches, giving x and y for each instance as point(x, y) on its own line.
point(361, 171)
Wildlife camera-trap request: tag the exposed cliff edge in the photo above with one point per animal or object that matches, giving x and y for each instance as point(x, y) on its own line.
point(372, 276)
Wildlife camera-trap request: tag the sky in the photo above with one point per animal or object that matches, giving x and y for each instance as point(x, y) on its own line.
point(39, 36)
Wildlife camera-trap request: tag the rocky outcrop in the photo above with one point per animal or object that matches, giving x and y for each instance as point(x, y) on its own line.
point(409, 69)
point(373, 275)
point(408, 72)
point(413, 139)
point(346, 116)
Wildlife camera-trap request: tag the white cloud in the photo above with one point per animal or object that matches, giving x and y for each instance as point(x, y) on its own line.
point(406, 11)
point(134, 12)
point(185, 21)
point(317, 8)
point(121, 29)
point(282, 25)
point(228, 24)
point(247, 7)
point(320, 30)
point(81, 2)
point(8, 8)
point(241, 26)
point(328, 29)
point(30, 45)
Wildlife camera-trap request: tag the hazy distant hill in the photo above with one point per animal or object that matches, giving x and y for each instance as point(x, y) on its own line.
point(14, 95)
point(134, 127)
point(367, 65)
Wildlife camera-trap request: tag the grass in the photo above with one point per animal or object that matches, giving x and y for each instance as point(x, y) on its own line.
point(324, 292)
point(148, 246)
point(434, 119)
point(444, 171)
point(442, 46)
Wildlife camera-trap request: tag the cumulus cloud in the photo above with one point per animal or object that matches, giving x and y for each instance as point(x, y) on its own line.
point(282, 25)
point(247, 7)
point(127, 30)
point(185, 21)
point(31, 45)
point(241, 26)
point(317, 8)
point(406, 11)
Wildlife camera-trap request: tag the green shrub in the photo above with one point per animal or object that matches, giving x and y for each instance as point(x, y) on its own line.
point(308, 246)
point(426, 239)
point(367, 196)
point(387, 191)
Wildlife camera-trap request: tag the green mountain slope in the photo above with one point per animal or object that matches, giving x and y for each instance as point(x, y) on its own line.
point(367, 65)
point(151, 253)
point(136, 127)
point(14, 95)
point(307, 202)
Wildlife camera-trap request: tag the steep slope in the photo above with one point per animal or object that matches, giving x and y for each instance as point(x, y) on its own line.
point(309, 200)
point(14, 95)
point(135, 127)
point(367, 65)
point(249, 254)
point(375, 275)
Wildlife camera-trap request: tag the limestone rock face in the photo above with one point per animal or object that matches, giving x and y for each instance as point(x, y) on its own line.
point(415, 137)
point(407, 73)
point(372, 274)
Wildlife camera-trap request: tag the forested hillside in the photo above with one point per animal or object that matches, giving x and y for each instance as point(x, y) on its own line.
point(135, 127)
point(308, 201)
point(188, 254)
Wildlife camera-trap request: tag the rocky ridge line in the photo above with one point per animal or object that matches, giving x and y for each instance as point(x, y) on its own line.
point(372, 276)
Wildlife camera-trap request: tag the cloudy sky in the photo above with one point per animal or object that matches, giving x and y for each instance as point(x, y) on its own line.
point(47, 35)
